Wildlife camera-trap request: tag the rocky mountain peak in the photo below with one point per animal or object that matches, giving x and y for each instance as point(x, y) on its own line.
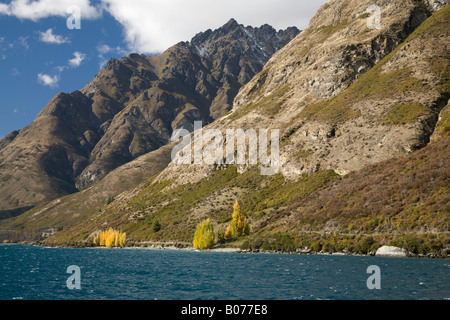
point(230, 25)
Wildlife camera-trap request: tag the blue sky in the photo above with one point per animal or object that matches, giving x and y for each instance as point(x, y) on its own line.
point(40, 56)
point(24, 56)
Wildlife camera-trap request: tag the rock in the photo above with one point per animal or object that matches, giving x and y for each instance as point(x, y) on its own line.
point(390, 251)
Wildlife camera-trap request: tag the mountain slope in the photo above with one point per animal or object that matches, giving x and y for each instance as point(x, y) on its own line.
point(42, 221)
point(329, 122)
point(402, 201)
point(195, 81)
point(382, 103)
point(129, 109)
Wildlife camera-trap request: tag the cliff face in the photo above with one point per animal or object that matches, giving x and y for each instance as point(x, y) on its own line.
point(129, 109)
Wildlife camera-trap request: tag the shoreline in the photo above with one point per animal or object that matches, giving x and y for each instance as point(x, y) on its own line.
point(231, 250)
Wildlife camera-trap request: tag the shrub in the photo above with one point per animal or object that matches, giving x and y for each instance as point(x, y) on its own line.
point(221, 235)
point(110, 200)
point(316, 246)
point(156, 226)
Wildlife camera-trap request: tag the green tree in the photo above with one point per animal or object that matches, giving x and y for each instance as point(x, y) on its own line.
point(156, 226)
point(204, 235)
point(221, 235)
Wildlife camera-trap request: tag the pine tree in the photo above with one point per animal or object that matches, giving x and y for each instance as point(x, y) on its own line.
point(204, 235)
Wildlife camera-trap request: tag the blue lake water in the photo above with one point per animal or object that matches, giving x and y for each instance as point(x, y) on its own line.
point(38, 273)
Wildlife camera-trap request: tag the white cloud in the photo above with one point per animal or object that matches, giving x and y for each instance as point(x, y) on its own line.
point(49, 37)
point(152, 26)
point(105, 52)
point(16, 110)
point(21, 42)
point(77, 60)
point(47, 80)
point(39, 9)
point(14, 72)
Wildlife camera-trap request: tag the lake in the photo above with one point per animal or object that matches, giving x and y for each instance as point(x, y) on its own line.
point(40, 273)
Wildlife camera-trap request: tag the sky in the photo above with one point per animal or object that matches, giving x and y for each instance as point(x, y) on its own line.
point(51, 46)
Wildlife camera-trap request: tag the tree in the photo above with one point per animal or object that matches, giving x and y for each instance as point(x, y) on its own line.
point(239, 225)
point(156, 226)
point(204, 235)
point(110, 238)
point(221, 235)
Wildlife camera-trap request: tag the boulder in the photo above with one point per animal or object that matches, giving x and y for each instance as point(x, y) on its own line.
point(390, 251)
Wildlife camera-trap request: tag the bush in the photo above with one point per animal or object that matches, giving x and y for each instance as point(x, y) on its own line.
point(365, 245)
point(110, 200)
point(221, 235)
point(156, 226)
point(316, 246)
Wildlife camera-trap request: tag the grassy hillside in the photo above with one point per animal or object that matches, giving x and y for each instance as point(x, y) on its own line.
point(403, 201)
point(178, 210)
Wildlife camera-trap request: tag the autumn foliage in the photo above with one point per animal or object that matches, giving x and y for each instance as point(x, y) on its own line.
point(204, 235)
point(110, 238)
point(239, 225)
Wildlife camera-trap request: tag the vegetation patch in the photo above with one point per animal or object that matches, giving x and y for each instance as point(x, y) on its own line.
point(319, 242)
point(405, 113)
point(269, 105)
point(328, 31)
point(443, 126)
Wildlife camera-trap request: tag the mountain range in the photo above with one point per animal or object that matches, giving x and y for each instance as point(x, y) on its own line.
point(130, 108)
point(364, 124)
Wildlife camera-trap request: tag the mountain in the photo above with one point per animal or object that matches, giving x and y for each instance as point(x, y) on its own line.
point(364, 127)
point(345, 96)
point(130, 108)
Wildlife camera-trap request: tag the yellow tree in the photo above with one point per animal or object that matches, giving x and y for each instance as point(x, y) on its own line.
point(239, 225)
point(123, 238)
point(204, 235)
point(110, 238)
